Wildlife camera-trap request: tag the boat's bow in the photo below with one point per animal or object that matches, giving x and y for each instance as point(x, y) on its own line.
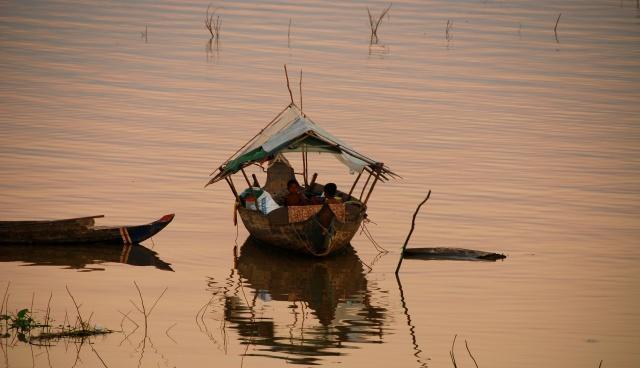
point(138, 234)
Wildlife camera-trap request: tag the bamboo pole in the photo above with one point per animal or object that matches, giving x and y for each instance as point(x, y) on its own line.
point(286, 74)
point(355, 182)
point(413, 224)
point(304, 168)
point(246, 177)
point(313, 180)
point(382, 176)
point(373, 185)
point(364, 187)
point(306, 164)
point(233, 188)
point(300, 87)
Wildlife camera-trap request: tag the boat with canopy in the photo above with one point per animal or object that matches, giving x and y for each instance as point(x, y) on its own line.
point(315, 229)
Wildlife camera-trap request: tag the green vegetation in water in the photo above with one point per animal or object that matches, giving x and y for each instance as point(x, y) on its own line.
point(25, 326)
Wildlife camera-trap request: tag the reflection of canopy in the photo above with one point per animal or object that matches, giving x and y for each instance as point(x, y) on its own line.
point(293, 131)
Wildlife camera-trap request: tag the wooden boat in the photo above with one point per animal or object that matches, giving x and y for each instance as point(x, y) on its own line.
point(308, 236)
point(317, 230)
point(77, 231)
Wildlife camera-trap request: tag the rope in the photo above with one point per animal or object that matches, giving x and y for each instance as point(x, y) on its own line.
point(369, 236)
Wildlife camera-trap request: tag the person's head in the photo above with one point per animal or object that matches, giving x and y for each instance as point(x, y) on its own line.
point(292, 186)
point(330, 190)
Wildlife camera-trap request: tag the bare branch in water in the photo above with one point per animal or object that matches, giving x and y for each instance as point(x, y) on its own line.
point(555, 29)
point(413, 225)
point(374, 23)
point(447, 32)
point(210, 25)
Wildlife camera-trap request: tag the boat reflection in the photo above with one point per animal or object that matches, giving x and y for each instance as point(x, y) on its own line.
point(301, 309)
point(82, 257)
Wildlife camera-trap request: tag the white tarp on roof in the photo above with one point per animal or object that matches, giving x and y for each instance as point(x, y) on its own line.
point(292, 125)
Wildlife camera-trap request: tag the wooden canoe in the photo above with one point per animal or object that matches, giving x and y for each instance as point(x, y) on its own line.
point(77, 231)
point(319, 235)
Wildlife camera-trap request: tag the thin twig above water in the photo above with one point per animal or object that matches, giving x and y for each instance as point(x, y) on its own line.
point(374, 23)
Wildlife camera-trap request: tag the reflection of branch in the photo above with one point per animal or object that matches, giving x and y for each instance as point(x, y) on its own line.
point(452, 354)
point(142, 309)
point(167, 332)
point(79, 348)
point(98, 355)
point(471, 355)
point(412, 328)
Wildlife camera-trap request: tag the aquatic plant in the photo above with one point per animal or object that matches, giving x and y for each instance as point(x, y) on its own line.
point(24, 326)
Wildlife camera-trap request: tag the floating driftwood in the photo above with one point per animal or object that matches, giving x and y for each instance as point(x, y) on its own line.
point(442, 253)
point(451, 254)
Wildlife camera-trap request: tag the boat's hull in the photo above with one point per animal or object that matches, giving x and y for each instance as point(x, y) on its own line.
point(77, 231)
point(320, 235)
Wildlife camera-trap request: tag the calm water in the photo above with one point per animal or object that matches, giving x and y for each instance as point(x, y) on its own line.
point(531, 145)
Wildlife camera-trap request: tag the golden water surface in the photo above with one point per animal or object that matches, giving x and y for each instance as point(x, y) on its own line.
point(528, 138)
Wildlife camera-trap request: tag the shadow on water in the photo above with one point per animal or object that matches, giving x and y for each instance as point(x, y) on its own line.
point(328, 305)
point(82, 257)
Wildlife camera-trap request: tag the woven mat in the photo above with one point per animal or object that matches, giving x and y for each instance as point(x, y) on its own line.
point(303, 213)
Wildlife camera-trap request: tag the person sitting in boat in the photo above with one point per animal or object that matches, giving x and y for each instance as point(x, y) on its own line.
point(328, 195)
point(330, 190)
point(295, 197)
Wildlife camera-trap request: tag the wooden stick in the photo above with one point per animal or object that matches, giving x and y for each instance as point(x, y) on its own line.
point(306, 165)
point(355, 182)
point(365, 186)
point(413, 224)
point(246, 177)
point(77, 308)
point(233, 189)
point(286, 74)
point(373, 185)
point(156, 301)
point(382, 176)
point(255, 180)
point(304, 169)
point(300, 87)
point(4, 298)
point(313, 180)
point(144, 310)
